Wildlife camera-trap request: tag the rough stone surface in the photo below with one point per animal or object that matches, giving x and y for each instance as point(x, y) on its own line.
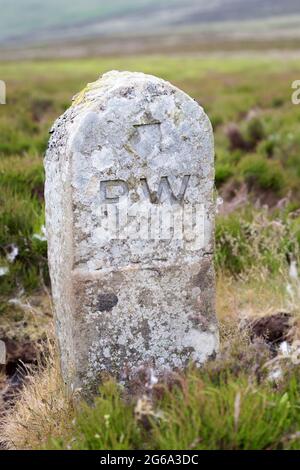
point(123, 304)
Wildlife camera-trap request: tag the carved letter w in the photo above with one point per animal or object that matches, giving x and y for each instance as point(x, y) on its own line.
point(164, 188)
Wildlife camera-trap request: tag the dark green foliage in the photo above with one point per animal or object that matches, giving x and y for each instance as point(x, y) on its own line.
point(21, 222)
point(260, 173)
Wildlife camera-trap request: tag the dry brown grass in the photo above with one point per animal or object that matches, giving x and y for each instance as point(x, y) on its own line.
point(43, 411)
point(253, 296)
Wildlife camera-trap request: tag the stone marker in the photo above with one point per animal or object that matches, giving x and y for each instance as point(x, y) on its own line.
point(130, 223)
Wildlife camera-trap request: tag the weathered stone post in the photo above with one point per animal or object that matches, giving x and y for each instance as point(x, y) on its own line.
point(130, 223)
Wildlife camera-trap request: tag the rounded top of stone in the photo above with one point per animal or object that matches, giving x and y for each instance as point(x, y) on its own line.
point(114, 110)
point(114, 81)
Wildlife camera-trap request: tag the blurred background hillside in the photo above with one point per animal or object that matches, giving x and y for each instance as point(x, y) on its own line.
point(37, 28)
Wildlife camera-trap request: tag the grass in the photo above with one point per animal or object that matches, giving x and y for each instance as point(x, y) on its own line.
point(44, 410)
point(247, 239)
point(21, 219)
point(262, 152)
point(230, 404)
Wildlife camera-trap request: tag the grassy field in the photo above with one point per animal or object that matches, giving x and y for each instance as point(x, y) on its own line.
point(257, 146)
point(248, 99)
